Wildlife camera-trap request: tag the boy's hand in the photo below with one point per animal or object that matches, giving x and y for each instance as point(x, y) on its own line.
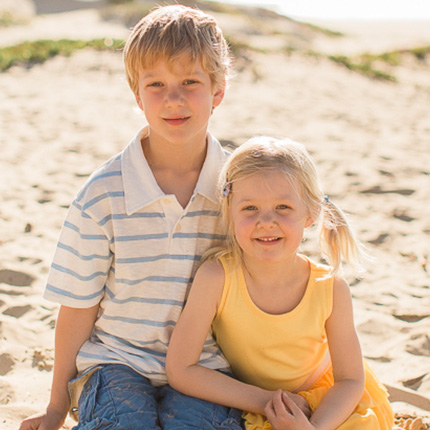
point(284, 414)
point(48, 420)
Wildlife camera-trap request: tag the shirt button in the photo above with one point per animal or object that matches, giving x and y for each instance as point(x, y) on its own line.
point(179, 228)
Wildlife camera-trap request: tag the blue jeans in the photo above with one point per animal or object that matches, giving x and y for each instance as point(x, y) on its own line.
point(118, 398)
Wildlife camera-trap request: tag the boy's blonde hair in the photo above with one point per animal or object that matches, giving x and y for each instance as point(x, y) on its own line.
point(260, 154)
point(171, 31)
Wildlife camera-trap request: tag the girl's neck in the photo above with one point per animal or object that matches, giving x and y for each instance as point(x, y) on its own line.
point(277, 288)
point(268, 272)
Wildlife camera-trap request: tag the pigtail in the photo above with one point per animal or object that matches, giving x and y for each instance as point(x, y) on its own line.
point(337, 240)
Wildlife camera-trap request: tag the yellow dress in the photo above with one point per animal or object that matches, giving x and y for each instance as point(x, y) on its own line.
point(289, 351)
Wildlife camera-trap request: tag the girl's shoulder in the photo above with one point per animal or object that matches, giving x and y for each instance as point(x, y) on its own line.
point(212, 271)
point(319, 270)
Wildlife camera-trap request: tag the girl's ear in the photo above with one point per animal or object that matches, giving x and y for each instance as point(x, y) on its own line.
point(309, 221)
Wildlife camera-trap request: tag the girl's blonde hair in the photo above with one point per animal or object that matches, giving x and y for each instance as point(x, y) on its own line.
point(168, 32)
point(336, 239)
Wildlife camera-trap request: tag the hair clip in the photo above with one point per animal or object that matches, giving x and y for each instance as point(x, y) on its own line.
point(326, 199)
point(226, 189)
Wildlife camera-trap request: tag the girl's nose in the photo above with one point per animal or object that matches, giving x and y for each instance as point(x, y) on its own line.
point(266, 219)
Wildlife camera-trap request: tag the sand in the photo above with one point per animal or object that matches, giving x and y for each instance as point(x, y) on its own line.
point(371, 139)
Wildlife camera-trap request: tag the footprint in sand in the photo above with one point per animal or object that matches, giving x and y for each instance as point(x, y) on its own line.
point(410, 318)
point(380, 239)
point(43, 360)
point(6, 364)
point(17, 279)
point(414, 383)
point(378, 190)
point(17, 311)
point(6, 393)
point(402, 215)
point(419, 345)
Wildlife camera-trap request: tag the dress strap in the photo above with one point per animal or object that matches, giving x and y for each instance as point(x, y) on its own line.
point(316, 375)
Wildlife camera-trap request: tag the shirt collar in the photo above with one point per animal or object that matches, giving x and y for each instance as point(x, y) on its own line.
point(140, 186)
point(208, 179)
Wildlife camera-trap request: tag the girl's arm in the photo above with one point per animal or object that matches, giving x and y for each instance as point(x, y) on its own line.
point(342, 398)
point(183, 371)
point(74, 327)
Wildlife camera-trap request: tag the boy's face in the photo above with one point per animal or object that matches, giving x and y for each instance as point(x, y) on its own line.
point(177, 100)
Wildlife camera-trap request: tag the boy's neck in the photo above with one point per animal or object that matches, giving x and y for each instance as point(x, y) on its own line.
point(176, 168)
point(177, 158)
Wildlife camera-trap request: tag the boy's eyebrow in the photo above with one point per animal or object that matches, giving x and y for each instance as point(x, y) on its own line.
point(151, 74)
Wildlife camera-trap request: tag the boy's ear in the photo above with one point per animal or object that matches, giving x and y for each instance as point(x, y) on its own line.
point(218, 95)
point(139, 102)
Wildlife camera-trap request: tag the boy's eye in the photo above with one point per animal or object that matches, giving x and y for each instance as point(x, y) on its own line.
point(284, 207)
point(155, 84)
point(190, 82)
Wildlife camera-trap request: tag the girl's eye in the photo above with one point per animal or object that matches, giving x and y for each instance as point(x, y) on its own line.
point(250, 208)
point(190, 82)
point(155, 84)
point(283, 207)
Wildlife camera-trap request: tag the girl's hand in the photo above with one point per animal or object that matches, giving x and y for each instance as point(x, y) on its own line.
point(283, 413)
point(302, 403)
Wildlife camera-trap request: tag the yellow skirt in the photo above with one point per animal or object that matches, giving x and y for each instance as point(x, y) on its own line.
point(373, 412)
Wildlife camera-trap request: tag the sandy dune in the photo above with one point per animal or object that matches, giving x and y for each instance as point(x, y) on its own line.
point(371, 139)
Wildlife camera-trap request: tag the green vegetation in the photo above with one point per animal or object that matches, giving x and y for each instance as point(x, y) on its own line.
point(363, 67)
point(323, 30)
point(367, 64)
point(8, 18)
point(420, 53)
point(29, 53)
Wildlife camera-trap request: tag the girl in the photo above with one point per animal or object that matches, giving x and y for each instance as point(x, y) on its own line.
point(284, 322)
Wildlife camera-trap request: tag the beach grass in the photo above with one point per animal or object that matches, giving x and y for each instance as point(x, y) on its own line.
point(29, 53)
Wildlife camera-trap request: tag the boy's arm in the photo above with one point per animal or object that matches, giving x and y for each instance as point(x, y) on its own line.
point(183, 371)
point(74, 327)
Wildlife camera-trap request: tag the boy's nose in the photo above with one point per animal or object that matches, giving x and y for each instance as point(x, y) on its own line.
point(174, 98)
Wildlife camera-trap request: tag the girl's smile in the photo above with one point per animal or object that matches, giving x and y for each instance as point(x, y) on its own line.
point(269, 216)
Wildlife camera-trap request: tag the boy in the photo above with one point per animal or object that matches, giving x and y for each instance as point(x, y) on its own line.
point(133, 235)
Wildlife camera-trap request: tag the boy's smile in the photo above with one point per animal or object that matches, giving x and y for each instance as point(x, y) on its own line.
point(177, 100)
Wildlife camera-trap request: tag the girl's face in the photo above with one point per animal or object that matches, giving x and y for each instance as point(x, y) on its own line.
point(269, 217)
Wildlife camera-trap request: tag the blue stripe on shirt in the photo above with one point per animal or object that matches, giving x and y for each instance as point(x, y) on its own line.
point(102, 197)
point(71, 295)
point(123, 342)
point(107, 218)
point(141, 237)
point(77, 275)
point(158, 257)
point(83, 257)
point(202, 213)
point(112, 355)
point(96, 178)
point(129, 320)
point(75, 228)
point(170, 279)
point(98, 333)
point(147, 300)
point(199, 236)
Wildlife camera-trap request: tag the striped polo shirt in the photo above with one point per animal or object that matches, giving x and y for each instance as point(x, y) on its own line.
point(133, 249)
